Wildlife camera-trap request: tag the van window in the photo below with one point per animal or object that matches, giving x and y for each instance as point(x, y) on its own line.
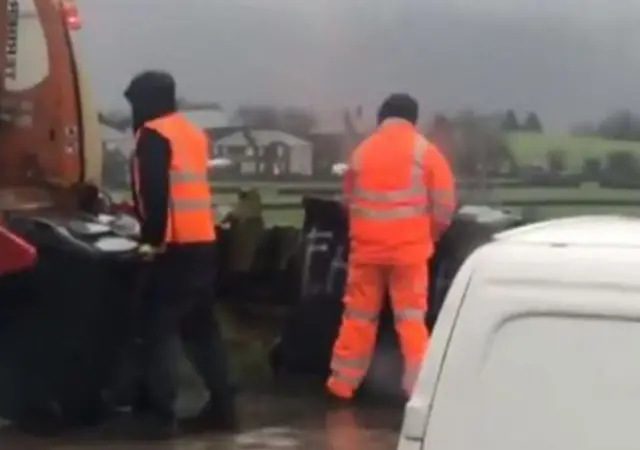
point(544, 382)
point(27, 57)
point(552, 380)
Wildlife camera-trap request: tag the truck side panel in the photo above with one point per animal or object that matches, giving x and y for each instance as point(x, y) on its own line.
point(38, 104)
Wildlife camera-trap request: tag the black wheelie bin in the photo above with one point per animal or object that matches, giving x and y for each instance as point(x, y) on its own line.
point(63, 323)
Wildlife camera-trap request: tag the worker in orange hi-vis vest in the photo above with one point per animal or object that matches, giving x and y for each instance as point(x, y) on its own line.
point(173, 202)
point(400, 194)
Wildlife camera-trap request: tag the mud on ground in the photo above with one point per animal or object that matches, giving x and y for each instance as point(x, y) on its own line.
point(275, 415)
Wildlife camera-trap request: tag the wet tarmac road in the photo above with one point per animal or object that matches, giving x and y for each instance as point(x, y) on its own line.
point(270, 421)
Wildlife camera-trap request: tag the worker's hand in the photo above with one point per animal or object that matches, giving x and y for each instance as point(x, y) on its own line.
point(148, 252)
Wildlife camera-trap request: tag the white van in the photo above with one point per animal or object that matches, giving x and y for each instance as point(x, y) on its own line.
point(537, 346)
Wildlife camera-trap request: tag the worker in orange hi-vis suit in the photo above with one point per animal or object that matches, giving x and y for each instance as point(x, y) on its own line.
point(400, 193)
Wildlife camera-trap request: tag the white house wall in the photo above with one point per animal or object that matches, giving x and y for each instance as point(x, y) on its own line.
point(301, 160)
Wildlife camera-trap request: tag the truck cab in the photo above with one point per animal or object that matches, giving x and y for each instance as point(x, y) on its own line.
point(536, 346)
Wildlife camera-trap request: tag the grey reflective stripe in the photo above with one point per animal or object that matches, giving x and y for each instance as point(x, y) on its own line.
point(442, 205)
point(416, 193)
point(416, 187)
point(440, 208)
point(186, 205)
point(388, 214)
point(398, 195)
point(185, 176)
point(353, 314)
point(442, 214)
point(352, 381)
point(409, 314)
point(441, 196)
point(338, 363)
point(409, 379)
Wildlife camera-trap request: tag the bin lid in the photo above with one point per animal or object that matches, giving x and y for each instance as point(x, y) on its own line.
point(88, 228)
point(487, 215)
point(115, 244)
point(125, 226)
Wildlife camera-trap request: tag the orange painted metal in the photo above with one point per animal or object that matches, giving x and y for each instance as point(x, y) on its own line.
point(41, 152)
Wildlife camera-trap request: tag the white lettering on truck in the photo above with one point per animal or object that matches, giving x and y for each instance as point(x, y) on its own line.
point(11, 47)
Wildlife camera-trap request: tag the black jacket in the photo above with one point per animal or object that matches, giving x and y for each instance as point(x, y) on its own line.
point(151, 96)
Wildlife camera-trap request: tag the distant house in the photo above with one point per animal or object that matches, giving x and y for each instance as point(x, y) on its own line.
point(272, 153)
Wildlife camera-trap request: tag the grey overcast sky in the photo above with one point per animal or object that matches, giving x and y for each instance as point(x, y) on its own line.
point(569, 60)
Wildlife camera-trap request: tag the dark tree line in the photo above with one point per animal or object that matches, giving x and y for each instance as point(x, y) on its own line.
point(531, 123)
point(621, 125)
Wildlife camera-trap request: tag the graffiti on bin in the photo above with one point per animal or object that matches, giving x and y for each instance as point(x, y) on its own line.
point(324, 266)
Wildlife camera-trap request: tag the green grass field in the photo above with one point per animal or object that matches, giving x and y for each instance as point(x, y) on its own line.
point(269, 193)
point(608, 201)
point(586, 192)
point(532, 148)
point(528, 149)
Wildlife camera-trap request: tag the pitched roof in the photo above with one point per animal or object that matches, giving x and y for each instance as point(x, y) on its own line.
point(262, 137)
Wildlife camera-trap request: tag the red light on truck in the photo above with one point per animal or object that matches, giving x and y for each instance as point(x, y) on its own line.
point(71, 15)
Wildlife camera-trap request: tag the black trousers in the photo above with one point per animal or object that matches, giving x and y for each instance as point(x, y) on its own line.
point(177, 308)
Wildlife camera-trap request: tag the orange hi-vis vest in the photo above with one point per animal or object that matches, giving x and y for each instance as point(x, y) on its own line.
point(396, 208)
point(191, 218)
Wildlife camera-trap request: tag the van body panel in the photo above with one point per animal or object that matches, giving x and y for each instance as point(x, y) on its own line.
point(419, 406)
point(542, 352)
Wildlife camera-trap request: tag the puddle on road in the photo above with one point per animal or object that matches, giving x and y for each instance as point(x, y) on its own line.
point(270, 437)
point(271, 423)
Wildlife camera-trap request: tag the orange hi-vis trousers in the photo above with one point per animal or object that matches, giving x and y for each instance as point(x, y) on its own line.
point(363, 301)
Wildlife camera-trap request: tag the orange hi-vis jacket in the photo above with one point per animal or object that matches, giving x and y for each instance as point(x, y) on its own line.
point(400, 192)
point(191, 218)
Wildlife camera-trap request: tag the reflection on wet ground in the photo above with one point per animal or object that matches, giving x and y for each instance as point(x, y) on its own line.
point(270, 421)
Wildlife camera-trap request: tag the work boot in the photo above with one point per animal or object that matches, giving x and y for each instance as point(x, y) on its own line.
point(214, 416)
